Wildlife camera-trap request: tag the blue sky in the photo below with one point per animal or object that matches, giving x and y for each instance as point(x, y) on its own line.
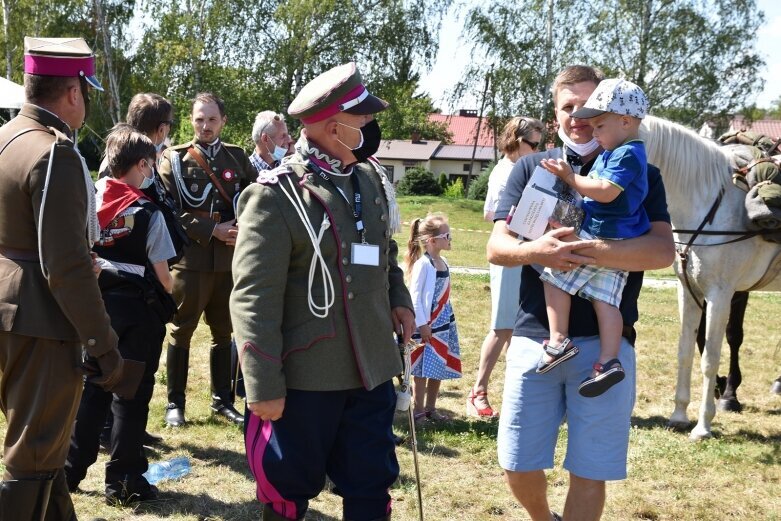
point(452, 55)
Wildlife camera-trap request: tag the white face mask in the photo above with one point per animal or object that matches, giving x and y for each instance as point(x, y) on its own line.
point(580, 149)
point(147, 181)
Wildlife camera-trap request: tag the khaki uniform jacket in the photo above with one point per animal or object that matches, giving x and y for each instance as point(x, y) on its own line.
point(204, 252)
point(281, 343)
point(68, 305)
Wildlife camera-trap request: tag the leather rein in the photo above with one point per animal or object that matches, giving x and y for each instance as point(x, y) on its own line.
point(683, 253)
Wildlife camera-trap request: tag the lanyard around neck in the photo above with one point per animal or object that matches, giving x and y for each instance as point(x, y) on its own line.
point(356, 207)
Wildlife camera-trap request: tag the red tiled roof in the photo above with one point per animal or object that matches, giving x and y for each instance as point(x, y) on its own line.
point(464, 129)
point(768, 127)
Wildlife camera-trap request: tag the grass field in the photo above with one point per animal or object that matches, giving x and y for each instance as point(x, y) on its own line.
point(736, 475)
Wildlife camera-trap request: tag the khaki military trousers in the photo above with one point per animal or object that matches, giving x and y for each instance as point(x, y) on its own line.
point(197, 293)
point(40, 390)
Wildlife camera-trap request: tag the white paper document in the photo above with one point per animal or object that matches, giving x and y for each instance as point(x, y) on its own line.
point(545, 197)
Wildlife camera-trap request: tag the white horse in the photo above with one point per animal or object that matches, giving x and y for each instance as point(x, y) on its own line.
point(695, 172)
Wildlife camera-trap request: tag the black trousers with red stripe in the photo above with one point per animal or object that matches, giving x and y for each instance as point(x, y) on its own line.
point(344, 434)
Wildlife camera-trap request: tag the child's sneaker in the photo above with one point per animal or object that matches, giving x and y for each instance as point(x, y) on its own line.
point(608, 375)
point(561, 353)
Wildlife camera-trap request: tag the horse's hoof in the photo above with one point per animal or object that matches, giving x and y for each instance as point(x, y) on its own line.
point(776, 387)
point(678, 425)
point(730, 405)
point(700, 434)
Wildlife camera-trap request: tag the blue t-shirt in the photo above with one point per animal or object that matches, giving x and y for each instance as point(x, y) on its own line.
point(624, 217)
point(532, 320)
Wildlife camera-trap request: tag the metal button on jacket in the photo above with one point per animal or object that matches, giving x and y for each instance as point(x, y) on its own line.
point(350, 296)
point(348, 278)
point(344, 244)
point(91, 342)
point(345, 261)
point(377, 200)
point(383, 217)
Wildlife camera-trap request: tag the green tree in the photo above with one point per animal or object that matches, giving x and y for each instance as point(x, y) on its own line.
point(418, 181)
point(478, 188)
point(513, 46)
point(455, 190)
point(692, 57)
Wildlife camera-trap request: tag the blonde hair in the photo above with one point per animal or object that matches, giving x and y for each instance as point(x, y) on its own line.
point(421, 231)
point(519, 127)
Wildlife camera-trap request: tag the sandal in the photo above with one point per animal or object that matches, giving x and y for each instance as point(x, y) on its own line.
point(437, 416)
point(555, 516)
point(420, 417)
point(560, 354)
point(473, 410)
point(607, 375)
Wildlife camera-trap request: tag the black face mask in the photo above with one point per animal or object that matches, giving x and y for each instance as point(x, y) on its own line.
point(371, 141)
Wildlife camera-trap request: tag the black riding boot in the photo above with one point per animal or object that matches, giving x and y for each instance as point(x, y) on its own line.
point(270, 515)
point(177, 362)
point(222, 398)
point(60, 504)
point(25, 499)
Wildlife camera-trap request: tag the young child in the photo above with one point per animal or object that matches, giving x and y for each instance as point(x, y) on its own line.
point(134, 247)
point(437, 358)
point(613, 194)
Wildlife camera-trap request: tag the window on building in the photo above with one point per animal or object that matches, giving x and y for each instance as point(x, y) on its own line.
point(466, 167)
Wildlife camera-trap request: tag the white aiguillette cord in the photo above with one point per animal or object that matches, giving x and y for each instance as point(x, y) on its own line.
point(319, 311)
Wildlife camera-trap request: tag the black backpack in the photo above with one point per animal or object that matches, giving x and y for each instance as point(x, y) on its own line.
point(167, 206)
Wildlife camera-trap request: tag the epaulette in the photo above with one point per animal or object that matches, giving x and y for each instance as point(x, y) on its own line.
point(60, 137)
point(271, 177)
point(231, 145)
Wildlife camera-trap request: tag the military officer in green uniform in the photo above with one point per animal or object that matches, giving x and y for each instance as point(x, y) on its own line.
point(317, 298)
point(205, 176)
point(50, 304)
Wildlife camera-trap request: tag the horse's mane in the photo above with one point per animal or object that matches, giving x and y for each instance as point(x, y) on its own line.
point(690, 164)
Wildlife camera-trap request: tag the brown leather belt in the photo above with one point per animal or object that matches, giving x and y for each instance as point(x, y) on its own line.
point(214, 216)
point(18, 255)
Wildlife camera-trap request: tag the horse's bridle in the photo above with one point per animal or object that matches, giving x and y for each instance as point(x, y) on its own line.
point(683, 254)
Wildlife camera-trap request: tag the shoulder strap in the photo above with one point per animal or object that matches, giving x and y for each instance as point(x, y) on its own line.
point(216, 182)
point(18, 134)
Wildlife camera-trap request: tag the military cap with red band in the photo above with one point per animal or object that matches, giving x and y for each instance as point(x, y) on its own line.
point(61, 57)
point(336, 90)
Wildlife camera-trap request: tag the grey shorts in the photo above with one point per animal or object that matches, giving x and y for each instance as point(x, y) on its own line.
point(505, 295)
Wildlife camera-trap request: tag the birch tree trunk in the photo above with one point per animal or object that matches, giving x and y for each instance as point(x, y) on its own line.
point(113, 87)
point(6, 16)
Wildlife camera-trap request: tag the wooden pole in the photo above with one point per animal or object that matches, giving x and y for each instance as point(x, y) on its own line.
point(479, 124)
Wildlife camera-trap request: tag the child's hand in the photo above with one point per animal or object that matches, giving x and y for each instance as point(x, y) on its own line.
point(425, 333)
point(557, 167)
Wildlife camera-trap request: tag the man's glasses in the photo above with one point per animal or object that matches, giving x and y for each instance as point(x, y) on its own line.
point(445, 236)
point(532, 144)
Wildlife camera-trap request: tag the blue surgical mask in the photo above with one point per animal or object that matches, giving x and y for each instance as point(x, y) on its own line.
point(278, 152)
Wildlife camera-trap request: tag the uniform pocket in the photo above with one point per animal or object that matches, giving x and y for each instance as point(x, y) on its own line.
point(307, 334)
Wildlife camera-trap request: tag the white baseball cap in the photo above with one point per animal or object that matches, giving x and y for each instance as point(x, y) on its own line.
point(616, 96)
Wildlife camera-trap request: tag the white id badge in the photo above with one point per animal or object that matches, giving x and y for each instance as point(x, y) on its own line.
point(366, 254)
